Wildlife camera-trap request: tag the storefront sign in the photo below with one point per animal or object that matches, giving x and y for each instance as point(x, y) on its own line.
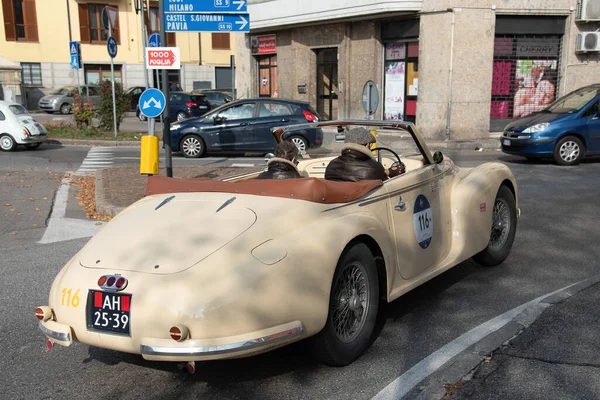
point(395, 51)
point(263, 44)
point(394, 91)
point(531, 47)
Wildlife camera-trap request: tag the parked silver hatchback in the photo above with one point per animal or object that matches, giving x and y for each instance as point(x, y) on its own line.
point(62, 99)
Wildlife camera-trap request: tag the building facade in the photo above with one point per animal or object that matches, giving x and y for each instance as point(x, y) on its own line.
point(459, 69)
point(37, 32)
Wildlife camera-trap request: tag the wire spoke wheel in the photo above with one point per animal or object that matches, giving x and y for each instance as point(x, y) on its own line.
point(500, 225)
point(350, 302)
point(569, 151)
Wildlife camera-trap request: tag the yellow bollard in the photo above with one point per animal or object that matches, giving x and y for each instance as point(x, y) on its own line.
point(374, 145)
point(149, 155)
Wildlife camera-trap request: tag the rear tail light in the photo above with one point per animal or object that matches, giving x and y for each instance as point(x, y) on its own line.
point(43, 313)
point(112, 282)
point(102, 280)
point(120, 283)
point(190, 104)
point(310, 117)
point(25, 133)
point(179, 333)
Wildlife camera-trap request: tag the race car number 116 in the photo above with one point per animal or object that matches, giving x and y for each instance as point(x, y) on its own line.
point(109, 312)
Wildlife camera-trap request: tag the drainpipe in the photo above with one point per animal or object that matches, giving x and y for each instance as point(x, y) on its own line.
point(69, 20)
point(449, 110)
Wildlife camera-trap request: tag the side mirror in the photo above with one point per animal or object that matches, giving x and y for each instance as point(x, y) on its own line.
point(438, 157)
point(218, 120)
point(227, 100)
point(268, 156)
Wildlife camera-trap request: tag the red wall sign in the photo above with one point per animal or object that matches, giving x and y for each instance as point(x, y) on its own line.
point(264, 44)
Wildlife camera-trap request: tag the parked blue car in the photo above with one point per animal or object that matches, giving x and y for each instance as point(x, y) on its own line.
point(245, 126)
point(567, 130)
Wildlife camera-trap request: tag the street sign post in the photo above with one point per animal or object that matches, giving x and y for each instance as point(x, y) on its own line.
point(163, 58)
point(152, 103)
point(111, 46)
point(207, 22)
point(75, 52)
point(205, 6)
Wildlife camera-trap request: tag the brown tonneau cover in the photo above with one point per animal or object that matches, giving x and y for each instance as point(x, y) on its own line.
point(310, 189)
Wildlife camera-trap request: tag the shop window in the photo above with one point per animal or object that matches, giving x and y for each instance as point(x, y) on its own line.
point(20, 20)
point(93, 24)
point(32, 74)
point(220, 41)
point(401, 86)
point(95, 73)
point(153, 25)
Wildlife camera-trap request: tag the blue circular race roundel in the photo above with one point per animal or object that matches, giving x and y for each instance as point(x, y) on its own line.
point(423, 221)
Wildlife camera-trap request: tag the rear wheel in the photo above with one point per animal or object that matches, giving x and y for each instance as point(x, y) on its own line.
point(300, 142)
point(181, 116)
point(353, 305)
point(7, 143)
point(504, 228)
point(569, 150)
point(192, 146)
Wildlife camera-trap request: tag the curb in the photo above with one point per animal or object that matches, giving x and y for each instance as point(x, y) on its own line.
point(100, 143)
point(102, 206)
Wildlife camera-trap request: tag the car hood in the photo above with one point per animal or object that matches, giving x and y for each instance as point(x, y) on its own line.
point(166, 234)
point(534, 119)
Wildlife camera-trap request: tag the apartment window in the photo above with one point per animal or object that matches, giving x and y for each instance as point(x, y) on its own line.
point(32, 74)
point(220, 41)
point(95, 73)
point(93, 24)
point(153, 24)
point(20, 20)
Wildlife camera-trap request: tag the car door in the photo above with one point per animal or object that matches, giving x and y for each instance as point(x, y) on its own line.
point(592, 118)
point(230, 127)
point(176, 102)
point(270, 114)
point(419, 204)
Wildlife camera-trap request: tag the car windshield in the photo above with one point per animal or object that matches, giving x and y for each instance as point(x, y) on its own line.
point(197, 98)
point(573, 102)
point(18, 110)
point(63, 91)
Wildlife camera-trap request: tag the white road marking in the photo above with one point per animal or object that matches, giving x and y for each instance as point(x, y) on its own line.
point(242, 165)
point(97, 158)
point(60, 228)
point(400, 386)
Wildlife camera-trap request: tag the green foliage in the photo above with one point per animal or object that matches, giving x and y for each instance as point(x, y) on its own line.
point(82, 111)
point(105, 108)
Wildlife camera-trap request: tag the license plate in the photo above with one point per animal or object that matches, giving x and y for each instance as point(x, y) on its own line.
point(506, 142)
point(203, 107)
point(109, 312)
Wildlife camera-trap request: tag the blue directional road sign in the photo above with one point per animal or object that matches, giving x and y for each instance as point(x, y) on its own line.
point(207, 22)
point(154, 40)
point(152, 103)
point(75, 55)
point(111, 46)
point(205, 6)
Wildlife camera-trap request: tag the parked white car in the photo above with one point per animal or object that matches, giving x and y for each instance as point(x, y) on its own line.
point(17, 127)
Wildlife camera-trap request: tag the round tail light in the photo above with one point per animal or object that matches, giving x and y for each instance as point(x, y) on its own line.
point(121, 282)
point(110, 281)
point(179, 333)
point(43, 313)
point(102, 280)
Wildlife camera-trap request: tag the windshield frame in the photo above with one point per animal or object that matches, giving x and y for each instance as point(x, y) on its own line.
point(12, 108)
point(554, 107)
point(63, 91)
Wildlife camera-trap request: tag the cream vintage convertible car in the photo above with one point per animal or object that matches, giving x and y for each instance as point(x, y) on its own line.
point(252, 265)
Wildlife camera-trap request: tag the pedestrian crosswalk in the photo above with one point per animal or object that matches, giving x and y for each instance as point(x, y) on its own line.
point(97, 158)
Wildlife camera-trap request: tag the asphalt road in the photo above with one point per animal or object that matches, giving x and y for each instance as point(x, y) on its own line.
point(556, 244)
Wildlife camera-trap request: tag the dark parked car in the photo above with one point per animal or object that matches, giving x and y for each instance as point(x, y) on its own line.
point(184, 105)
point(216, 97)
point(134, 95)
point(566, 130)
point(245, 126)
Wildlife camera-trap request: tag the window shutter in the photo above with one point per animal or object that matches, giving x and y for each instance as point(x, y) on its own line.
point(220, 41)
point(171, 39)
point(9, 20)
point(30, 19)
point(84, 24)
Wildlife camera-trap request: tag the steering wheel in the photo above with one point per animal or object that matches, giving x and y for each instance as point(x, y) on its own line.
point(378, 150)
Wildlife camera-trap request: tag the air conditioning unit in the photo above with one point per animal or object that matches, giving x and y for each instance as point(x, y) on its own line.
point(588, 10)
point(587, 41)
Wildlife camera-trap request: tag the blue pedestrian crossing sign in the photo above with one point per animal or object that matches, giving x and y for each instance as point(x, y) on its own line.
point(111, 46)
point(74, 62)
point(152, 103)
point(75, 55)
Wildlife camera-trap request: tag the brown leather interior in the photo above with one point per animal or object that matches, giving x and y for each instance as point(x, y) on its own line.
point(310, 189)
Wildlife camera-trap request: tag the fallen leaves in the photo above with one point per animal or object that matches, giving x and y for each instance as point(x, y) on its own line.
point(87, 197)
point(8, 204)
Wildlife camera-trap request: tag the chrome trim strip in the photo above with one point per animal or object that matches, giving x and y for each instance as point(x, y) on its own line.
point(222, 349)
point(63, 337)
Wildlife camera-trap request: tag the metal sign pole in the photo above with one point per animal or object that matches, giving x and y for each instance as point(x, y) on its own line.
point(112, 77)
point(165, 90)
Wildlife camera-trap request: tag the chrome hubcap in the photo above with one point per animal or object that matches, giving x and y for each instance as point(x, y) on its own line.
point(5, 143)
point(299, 143)
point(569, 151)
point(500, 225)
point(180, 117)
point(192, 146)
point(350, 302)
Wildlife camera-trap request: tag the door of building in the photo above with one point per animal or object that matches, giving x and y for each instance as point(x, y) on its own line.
point(267, 76)
point(327, 83)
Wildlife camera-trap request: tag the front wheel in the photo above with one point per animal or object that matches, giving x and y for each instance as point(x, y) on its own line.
point(7, 143)
point(568, 151)
point(353, 305)
point(192, 146)
point(504, 228)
